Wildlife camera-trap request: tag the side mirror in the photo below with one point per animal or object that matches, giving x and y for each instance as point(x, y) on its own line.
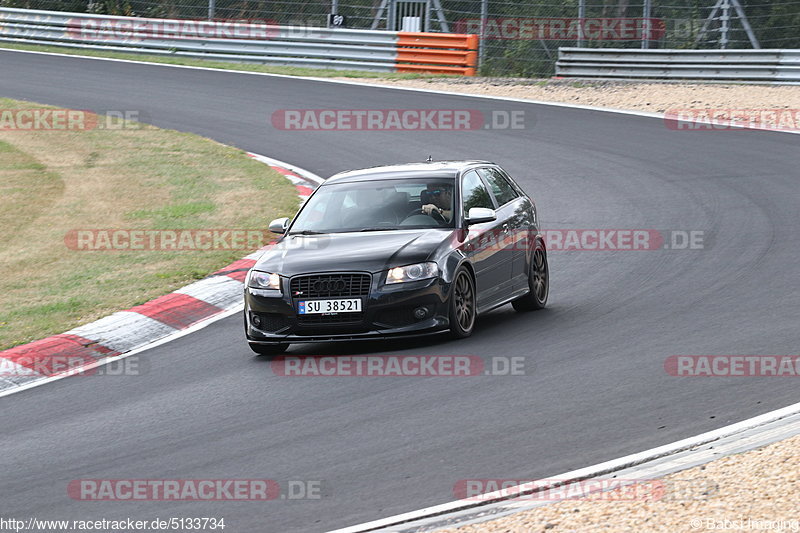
point(479, 215)
point(279, 225)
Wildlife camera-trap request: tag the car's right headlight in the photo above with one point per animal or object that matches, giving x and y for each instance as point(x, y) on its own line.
point(263, 280)
point(412, 272)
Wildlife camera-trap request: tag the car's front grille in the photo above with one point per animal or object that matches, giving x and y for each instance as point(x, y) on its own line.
point(331, 286)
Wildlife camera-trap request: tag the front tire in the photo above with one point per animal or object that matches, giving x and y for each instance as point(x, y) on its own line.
point(462, 305)
point(268, 349)
point(538, 281)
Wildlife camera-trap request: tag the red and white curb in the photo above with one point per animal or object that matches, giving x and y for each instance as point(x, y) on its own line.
point(303, 180)
point(187, 309)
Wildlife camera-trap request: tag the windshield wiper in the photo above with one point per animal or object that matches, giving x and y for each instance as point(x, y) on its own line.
point(307, 232)
point(384, 228)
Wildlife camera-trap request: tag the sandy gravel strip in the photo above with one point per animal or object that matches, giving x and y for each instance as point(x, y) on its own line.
point(754, 491)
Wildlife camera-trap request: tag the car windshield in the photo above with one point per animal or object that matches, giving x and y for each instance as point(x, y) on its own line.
point(378, 206)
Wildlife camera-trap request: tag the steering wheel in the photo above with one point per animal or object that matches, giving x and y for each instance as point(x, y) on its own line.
point(436, 215)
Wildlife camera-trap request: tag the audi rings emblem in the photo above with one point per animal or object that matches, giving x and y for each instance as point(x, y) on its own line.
point(329, 285)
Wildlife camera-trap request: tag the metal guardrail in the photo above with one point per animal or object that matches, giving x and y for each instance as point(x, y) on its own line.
point(241, 41)
point(780, 66)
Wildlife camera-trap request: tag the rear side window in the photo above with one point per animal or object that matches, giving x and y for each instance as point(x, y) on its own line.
point(501, 188)
point(474, 193)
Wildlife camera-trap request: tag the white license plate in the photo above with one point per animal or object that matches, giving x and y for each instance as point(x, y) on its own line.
point(314, 307)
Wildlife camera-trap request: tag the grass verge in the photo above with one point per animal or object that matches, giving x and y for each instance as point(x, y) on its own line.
point(137, 177)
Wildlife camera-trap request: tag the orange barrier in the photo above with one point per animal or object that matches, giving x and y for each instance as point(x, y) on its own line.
point(441, 53)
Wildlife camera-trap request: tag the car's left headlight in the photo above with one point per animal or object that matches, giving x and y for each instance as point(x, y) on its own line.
point(413, 272)
point(263, 280)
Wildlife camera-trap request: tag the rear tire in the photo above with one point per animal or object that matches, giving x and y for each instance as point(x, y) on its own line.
point(268, 349)
point(538, 281)
point(462, 305)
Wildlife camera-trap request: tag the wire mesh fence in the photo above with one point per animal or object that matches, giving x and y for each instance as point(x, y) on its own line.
point(520, 38)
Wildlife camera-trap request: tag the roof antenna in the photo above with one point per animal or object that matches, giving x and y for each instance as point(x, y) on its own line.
point(430, 159)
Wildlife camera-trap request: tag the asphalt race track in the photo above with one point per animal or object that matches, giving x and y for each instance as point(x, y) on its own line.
point(595, 387)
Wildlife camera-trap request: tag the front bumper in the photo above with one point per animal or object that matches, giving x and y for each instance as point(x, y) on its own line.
point(387, 312)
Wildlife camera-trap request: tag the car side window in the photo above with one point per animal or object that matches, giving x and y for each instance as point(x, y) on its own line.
point(501, 188)
point(474, 193)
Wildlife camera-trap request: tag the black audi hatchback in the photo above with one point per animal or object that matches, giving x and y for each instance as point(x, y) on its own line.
point(397, 251)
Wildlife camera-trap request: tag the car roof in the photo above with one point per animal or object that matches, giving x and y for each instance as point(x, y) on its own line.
point(433, 169)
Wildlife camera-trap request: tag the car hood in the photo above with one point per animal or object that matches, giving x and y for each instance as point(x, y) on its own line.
point(369, 251)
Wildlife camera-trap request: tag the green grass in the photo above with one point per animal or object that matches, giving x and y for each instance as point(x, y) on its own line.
point(52, 182)
point(209, 63)
point(180, 213)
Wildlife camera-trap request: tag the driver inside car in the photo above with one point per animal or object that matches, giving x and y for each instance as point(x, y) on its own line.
point(441, 198)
